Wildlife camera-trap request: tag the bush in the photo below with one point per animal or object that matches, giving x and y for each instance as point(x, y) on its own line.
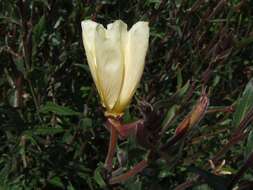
point(52, 125)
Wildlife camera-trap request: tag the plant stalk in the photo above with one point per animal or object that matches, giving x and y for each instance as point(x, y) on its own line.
point(136, 169)
point(111, 148)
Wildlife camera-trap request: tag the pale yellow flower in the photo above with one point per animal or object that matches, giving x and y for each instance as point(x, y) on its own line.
point(116, 59)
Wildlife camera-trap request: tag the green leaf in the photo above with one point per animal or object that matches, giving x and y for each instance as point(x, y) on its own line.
point(249, 145)
point(244, 42)
point(56, 181)
point(133, 184)
point(86, 123)
point(20, 65)
point(179, 79)
point(83, 66)
point(70, 187)
point(202, 187)
point(57, 109)
point(245, 103)
point(7, 19)
point(164, 170)
point(98, 177)
point(170, 115)
point(38, 29)
point(44, 131)
point(181, 92)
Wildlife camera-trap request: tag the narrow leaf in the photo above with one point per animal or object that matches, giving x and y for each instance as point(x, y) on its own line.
point(57, 109)
point(245, 103)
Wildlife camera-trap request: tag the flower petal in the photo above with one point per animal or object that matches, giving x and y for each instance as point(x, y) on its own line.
point(110, 60)
point(135, 52)
point(89, 30)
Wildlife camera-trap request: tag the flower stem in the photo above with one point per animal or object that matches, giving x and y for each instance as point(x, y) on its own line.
point(125, 130)
point(136, 169)
point(111, 148)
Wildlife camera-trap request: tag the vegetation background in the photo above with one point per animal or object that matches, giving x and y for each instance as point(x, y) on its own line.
point(52, 133)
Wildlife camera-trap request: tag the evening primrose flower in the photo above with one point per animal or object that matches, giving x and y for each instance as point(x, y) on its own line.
point(116, 59)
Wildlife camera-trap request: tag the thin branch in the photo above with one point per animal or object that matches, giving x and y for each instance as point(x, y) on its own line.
point(136, 169)
point(111, 148)
point(185, 185)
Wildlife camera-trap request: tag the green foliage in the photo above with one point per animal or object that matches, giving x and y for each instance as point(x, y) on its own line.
point(245, 103)
point(51, 119)
point(59, 110)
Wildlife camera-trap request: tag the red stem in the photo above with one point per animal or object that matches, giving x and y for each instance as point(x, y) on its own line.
point(125, 130)
point(111, 148)
point(136, 169)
